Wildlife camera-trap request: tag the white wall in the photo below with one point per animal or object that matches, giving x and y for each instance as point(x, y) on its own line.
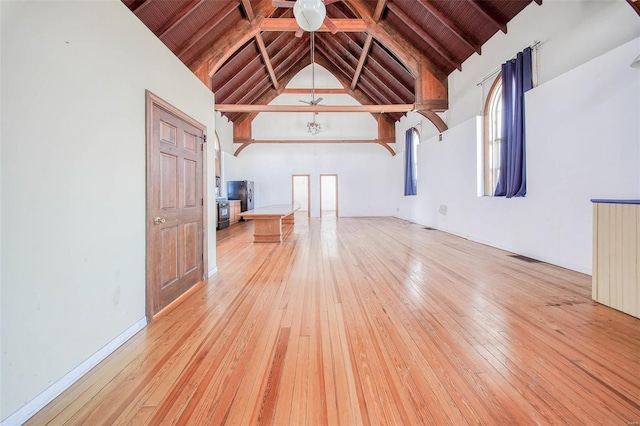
point(570, 32)
point(224, 129)
point(74, 76)
point(582, 129)
point(1, 346)
point(362, 185)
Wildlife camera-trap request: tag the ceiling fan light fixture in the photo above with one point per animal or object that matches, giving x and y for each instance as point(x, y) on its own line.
point(314, 127)
point(309, 14)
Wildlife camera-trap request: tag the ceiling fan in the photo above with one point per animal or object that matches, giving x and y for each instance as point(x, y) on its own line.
point(309, 14)
point(314, 101)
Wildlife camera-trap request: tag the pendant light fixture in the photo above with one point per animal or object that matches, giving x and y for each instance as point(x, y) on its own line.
point(313, 126)
point(309, 14)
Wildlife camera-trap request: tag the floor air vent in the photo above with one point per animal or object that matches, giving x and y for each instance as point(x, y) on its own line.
point(525, 258)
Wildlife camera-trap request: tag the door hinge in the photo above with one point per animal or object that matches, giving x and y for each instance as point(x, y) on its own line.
point(202, 201)
point(204, 138)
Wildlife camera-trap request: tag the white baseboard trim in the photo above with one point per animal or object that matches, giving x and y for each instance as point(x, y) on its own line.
point(213, 271)
point(43, 398)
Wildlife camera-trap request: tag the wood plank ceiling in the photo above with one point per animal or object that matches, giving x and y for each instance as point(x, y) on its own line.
point(386, 52)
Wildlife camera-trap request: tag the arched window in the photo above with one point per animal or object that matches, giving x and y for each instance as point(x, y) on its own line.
point(412, 139)
point(492, 136)
point(218, 155)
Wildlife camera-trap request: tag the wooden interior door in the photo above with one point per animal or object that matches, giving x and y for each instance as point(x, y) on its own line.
point(175, 204)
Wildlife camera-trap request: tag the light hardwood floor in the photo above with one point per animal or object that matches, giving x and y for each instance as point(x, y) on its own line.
point(370, 321)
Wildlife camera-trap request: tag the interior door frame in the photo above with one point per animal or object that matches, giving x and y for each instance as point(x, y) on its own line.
point(151, 101)
point(293, 192)
point(337, 198)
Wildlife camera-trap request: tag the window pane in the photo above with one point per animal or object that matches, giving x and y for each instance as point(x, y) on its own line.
point(493, 135)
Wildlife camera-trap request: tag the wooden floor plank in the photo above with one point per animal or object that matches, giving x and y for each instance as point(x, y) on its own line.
point(369, 321)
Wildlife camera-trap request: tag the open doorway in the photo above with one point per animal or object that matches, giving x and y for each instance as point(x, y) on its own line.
point(301, 187)
point(328, 195)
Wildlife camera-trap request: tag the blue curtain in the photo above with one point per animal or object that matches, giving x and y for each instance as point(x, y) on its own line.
point(516, 80)
point(410, 181)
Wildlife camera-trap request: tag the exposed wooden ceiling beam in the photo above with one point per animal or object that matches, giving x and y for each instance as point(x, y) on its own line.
point(342, 52)
point(435, 45)
point(232, 83)
point(317, 90)
point(378, 86)
point(235, 37)
point(347, 70)
point(430, 79)
point(203, 30)
point(477, 6)
point(373, 64)
point(380, 109)
point(341, 74)
point(272, 93)
point(248, 9)
point(214, 56)
point(223, 48)
point(290, 24)
point(241, 148)
point(299, 64)
point(243, 89)
point(387, 36)
point(244, 92)
point(382, 142)
point(311, 141)
point(388, 148)
point(241, 83)
point(385, 140)
point(360, 93)
point(178, 17)
point(377, 14)
point(267, 61)
point(375, 91)
point(292, 59)
point(452, 26)
point(380, 91)
point(635, 4)
point(404, 93)
point(363, 58)
point(140, 6)
point(434, 118)
point(357, 94)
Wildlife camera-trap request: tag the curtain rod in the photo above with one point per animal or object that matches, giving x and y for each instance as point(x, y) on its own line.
point(497, 70)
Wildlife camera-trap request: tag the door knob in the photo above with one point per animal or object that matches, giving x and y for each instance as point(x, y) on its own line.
point(158, 220)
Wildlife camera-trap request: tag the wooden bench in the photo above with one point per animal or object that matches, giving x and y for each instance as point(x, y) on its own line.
point(267, 221)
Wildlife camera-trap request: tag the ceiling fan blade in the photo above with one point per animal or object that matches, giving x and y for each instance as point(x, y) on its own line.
point(287, 4)
point(318, 101)
point(305, 102)
point(332, 27)
point(299, 32)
